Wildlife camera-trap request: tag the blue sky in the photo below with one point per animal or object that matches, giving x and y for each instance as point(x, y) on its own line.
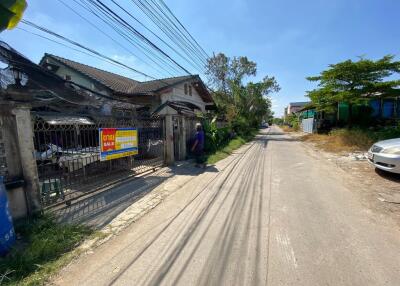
point(288, 39)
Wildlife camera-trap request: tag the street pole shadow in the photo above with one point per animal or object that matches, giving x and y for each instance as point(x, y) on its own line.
point(102, 207)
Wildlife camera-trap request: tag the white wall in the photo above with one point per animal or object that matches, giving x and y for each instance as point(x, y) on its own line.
point(178, 94)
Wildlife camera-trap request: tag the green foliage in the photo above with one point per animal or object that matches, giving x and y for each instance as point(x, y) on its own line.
point(364, 138)
point(384, 133)
point(349, 81)
point(277, 121)
point(231, 145)
point(215, 137)
point(294, 122)
point(244, 106)
point(44, 242)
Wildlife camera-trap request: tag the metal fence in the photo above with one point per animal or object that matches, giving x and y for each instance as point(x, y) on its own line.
point(68, 154)
point(308, 125)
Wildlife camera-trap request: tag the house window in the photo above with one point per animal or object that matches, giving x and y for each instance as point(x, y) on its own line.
point(190, 90)
point(186, 88)
point(67, 77)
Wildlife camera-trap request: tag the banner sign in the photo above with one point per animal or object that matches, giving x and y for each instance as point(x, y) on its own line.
point(117, 143)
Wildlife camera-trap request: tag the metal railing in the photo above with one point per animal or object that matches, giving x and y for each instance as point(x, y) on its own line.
point(68, 154)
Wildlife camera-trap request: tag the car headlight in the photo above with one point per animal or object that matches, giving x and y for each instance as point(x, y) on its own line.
point(391, 150)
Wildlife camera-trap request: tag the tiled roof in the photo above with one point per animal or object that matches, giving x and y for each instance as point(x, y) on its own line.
point(124, 85)
point(301, 103)
point(158, 84)
point(113, 81)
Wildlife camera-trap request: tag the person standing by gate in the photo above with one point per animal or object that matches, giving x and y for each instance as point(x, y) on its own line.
point(198, 146)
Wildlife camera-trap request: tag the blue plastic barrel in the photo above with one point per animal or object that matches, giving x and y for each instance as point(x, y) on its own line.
point(7, 234)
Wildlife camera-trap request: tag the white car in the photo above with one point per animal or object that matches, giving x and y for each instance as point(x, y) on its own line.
point(385, 155)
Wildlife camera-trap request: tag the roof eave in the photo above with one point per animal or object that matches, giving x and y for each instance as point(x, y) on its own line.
point(78, 71)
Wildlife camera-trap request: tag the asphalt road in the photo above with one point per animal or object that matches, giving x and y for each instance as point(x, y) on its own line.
point(272, 214)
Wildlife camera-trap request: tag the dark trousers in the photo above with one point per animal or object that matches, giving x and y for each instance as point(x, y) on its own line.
point(199, 156)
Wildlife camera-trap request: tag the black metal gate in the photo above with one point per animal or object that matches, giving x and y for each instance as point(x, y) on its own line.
point(68, 154)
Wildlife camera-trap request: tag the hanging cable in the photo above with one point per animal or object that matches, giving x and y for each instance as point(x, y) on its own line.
point(26, 22)
point(179, 22)
point(107, 35)
point(141, 36)
point(191, 62)
point(109, 19)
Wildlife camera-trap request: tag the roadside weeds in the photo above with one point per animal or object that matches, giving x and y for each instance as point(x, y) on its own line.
point(44, 248)
point(350, 140)
point(233, 144)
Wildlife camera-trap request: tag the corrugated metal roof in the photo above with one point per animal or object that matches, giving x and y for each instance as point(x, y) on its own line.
point(60, 119)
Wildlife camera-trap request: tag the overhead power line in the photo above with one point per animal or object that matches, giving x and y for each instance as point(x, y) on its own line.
point(173, 15)
point(69, 47)
point(191, 53)
point(110, 37)
point(26, 22)
point(116, 26)
point(172, 33)
point(141, 36)
point(156, 8)
point(188, 59)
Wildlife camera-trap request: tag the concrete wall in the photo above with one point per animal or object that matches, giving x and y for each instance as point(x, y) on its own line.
point(20, 162)
point(17, 203)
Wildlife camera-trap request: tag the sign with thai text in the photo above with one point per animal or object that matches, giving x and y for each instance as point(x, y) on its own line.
point(117, 143)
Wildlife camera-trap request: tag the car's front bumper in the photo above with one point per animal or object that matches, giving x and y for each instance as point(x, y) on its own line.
point(386, 162)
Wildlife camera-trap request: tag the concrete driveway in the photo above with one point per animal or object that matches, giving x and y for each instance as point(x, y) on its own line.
point(272, 215)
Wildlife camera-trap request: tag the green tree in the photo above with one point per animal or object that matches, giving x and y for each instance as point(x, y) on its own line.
point(351, 81)
point(242, 104)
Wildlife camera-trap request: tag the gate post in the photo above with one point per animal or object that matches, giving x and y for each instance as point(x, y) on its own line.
point(27, 157)
point(169, 140)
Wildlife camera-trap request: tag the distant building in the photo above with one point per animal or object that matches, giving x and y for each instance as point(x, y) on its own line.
point(285, 113)
point(295, 107)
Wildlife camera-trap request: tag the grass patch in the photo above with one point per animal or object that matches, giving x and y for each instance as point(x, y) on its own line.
point(45, 248)
point(229, 148)
point(350, 140)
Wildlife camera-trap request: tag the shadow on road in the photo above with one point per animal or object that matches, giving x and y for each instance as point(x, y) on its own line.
point(275, 138)
point(253, 168)
point(388, 176)
point(101, 208)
